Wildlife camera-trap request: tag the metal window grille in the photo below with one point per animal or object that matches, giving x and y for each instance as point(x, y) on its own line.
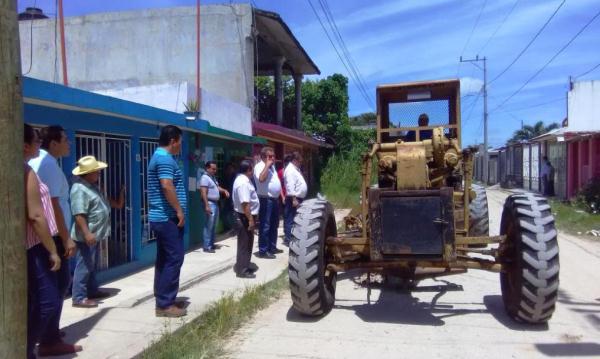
point(147, 148)
point(116, 151)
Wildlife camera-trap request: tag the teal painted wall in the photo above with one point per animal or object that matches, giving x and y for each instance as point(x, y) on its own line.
point(223, 151)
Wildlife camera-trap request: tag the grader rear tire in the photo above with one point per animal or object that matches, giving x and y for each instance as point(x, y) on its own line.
point(529, 256)
point(312, 286)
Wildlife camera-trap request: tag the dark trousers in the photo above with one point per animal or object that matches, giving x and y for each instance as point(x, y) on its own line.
point(63, 276)
point(289, 212)
point(245, 241)
point(169, 259)
point(268, 218)
point(43, 296)
point(84, 277)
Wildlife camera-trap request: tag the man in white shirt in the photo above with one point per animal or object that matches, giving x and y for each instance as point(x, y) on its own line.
point(268, 188)
point(295, 188)
point(55, 145)
point(246, 207)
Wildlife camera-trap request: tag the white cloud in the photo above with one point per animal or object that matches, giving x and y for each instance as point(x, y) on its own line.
point(470, 85)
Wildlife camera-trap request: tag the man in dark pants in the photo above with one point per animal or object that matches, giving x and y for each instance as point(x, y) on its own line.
point(167, 199)
point(268, 188)
point(55, 145)
point(246, 206)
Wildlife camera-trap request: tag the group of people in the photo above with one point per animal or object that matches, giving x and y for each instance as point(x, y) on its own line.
point(258, 192)
point(63, 223)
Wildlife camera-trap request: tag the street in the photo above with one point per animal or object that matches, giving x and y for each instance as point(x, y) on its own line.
point(458, 316)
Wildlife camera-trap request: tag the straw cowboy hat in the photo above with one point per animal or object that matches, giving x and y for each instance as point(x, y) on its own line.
point(88, 164)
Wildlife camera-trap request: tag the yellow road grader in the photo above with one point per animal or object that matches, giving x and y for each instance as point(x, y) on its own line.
point(423, 217)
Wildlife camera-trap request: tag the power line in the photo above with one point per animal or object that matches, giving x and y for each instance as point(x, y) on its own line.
point(472, 107)
point(532, 106)
point(551, 59)
point(471, 34)
point(334, 28)
point(530, 43)
point(588, 71)
point(499, 26)
point(337, 52)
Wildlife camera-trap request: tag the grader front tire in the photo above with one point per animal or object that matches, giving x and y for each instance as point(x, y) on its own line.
point(529, 256)
point(312, 286)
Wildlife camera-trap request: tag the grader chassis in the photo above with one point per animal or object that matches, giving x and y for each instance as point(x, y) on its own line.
point(424, 218)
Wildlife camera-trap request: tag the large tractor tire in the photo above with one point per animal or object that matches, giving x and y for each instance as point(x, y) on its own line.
point(479, 222)
point(312, 286)
point(529, 257)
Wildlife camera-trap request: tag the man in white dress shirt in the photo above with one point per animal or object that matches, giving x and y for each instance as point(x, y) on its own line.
point(268, 188)
point(245, 204)
point(295, 188)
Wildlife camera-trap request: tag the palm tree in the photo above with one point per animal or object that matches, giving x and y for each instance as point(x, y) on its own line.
point(528, 132)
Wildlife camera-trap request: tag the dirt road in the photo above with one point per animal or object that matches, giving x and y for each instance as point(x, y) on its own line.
point(455, 317)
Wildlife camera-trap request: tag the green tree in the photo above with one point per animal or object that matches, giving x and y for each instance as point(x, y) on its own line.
point(528, 132)
point(363, 119)
point(324, 106)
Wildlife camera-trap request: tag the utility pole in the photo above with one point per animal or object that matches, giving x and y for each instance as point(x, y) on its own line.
point(485, 112)
point(13, 262)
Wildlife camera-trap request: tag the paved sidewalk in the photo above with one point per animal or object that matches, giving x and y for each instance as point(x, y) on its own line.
point(124, 324)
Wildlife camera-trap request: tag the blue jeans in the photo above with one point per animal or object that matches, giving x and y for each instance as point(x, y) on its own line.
point(289, 212)
point(210, 226)
point(43, 296)
point(63, 276)
point(268, 217)
point(84, 277)
point(169, 259)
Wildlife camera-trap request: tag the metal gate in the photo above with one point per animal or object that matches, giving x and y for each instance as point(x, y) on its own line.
point(535, 167)
point(526, 167)
point(116, 151)
point(147, 148)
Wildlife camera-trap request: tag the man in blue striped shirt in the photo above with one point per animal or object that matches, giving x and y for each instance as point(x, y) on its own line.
point(167, 199)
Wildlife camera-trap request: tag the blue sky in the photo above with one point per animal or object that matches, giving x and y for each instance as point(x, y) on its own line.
point(409, 40)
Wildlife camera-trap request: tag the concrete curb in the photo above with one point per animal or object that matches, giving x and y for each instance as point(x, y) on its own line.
point(211, 272)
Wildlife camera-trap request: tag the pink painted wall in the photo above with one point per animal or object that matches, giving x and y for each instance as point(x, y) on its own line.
point(583, 163)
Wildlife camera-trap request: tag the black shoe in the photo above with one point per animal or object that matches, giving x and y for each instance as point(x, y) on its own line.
point(286, 243)
point(277, 251)
point(265, 255)
point(208, 250)
point(245, 274)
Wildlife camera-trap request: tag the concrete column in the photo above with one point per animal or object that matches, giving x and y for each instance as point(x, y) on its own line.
point(279, 61)
point(298, 93)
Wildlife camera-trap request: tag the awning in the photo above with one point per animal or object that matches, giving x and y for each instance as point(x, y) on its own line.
point(44, 93)
point(234, 136)
point(286, 135)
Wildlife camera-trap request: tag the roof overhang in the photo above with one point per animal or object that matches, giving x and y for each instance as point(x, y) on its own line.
point(275, 39)
point(44, 93)
point(286, 135)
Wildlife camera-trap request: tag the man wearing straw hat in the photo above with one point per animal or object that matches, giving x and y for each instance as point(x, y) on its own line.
point(92, 225)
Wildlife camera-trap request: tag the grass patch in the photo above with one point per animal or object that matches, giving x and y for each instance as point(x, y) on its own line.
point(341, 181)
point(205, 336)
point(573, 219)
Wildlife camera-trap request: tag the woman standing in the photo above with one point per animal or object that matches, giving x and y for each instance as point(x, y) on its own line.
point(42, 258)
point(92, 225)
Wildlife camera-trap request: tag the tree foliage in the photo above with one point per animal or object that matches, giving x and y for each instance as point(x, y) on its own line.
point(528, 132)
point(324, 107)
point(367, 118)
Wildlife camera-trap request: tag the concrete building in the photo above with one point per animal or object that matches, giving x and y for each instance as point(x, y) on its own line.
point(149, 57)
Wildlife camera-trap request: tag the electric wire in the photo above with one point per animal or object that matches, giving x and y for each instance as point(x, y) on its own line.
point(588, 71)
point(499, 26)
point(549, 61)
point(528, 44)
point(471, 35)
point(336, 50)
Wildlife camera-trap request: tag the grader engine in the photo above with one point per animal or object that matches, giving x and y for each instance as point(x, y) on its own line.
point(422, 216)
